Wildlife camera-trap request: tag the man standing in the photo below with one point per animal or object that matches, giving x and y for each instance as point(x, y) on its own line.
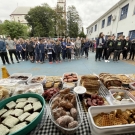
point(11, 48)
point(78, 47)
point(3, 52)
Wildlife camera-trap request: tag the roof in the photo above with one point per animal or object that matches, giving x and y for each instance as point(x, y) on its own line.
point(111, 9)
point(21, 10)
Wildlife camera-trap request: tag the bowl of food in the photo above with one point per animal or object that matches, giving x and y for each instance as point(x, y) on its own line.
point(20, 114)
point(65, 111)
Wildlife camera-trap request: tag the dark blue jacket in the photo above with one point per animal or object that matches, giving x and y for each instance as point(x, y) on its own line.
point(37, 48)
point(24, 46)
point(63, 45)
point(97, 41)
point(87, 44)
point(118, 45)
point(49, 48)
point(18, 47)
point(57, 49)
point(42, 48)
point(2, 46)
point(68, 44)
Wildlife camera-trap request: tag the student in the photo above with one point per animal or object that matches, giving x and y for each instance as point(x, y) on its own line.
point(29, 49)
point(100, 42)
point(105, 48)
point(49, 51)
point(118, 48)
point(132, 50)
point(3, 52)
point(126, 48)
point(53, 51)
point(86, 47)
point(42, 51)
point(110, 48)
point(78, 48)
point(37, 52)
point(82, 47)
point(72, 49)
point(18, 49)
point(58, 51)
point(64, 50)
point(68, 47)
point(11, 48)
point(23, 50)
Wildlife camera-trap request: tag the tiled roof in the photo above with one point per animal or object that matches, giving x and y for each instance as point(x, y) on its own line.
point(21, 10)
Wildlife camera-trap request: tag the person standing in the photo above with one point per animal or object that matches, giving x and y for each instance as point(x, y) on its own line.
point(86, 47)
point(78, 48)
point(64, 50)
point(3, 52)
point(126, 48)
point(37, 53)
point(82, 47)
point(18, 49)
point(49, 51)
point(12, 49)
point(23, 50)
point(57, 49)
point(69, 47)
point(72, 49)
point(118, 48)
point(42, 51)
point(132, 50)
point(100, 42)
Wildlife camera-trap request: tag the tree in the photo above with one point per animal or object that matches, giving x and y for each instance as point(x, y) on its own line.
point(43, 20)
point(14, 29)
point(73, 22)
point(82, 35)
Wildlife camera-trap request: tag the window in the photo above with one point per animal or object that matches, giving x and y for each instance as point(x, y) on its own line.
point(91, 29)
point(103, 23)
point(118, 34)
point(96, 27)
point(124, 12)
point(134, 10)
point(132, 34)
point(109, 20)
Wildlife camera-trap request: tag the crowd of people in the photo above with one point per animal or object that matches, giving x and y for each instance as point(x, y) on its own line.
point(41, 49)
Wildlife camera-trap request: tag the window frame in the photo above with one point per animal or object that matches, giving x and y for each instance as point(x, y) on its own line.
point(124, 14)
point(103, 24)
point(91, 29)
point(130, 34)
point(109, 21)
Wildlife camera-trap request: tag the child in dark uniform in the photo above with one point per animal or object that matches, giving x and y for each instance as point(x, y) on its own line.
point(57, 49)
point(42, 51)
point(49, 51)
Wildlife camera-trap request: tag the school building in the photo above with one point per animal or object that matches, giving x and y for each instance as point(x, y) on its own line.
point(120, 19)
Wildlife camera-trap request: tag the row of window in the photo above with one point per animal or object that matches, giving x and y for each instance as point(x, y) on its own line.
point(124, 12)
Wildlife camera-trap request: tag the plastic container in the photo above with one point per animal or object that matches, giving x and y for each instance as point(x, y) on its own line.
point(109, 130)
point(31, 88)
point(37, 120)
point(67, 131)
point(21, 74)
point(131, 85)
point(117, 102)
point(41, 81)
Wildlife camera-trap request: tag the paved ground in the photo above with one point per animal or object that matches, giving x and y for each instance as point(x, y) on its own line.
point(82, 66)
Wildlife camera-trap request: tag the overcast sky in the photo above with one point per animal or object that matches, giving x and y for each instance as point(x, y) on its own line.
point(89, 10)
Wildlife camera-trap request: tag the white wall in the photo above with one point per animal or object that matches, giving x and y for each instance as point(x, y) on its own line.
point(118, 25)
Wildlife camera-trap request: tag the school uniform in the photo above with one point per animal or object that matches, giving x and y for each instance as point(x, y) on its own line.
point(30, 49)
point(126, 49)
point(68, 51)
point(64, 50)
point(18, 50)
point(3, 52)
point(132, 50)
point(24, 51)
point(53, 53)
point(117, 49)
point(42, 52)
point(37, 52)
point(105, 49)
point(100, 42)
point(57, 49)
point(49, 52)
point(110, 48)
point(86, 48)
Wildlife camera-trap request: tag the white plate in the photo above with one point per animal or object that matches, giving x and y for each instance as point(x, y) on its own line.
point(79, 90)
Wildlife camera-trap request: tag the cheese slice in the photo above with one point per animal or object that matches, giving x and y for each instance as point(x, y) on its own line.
point(21, 105)
point(28, 108)
point(31, 100)
point(32, 116)
point(24, 116)
point(7, 113)
point(37, 106)
point(17, 112)
point(2, 111)
point(11, 105)
point(3, 130)
point(21, 100)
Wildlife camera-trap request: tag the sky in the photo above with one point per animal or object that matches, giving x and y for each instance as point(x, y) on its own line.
point(89, 10)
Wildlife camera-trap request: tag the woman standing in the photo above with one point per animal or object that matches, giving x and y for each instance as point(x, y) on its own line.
point(37, 51)
point(49, 51)
point(100, 42)
point(69, 47)
point(23, 50)
point(72, 49)
point(86, 47)
point(63, 46)
point(57, 51)
point(18, 49)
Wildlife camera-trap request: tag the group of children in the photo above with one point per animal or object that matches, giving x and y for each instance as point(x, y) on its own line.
point(122, 45)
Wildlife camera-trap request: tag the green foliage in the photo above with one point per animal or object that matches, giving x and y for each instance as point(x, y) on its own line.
point(1, 29)
point(82, 35)
point(73, 22)
point(43, 21)
point(14, 29)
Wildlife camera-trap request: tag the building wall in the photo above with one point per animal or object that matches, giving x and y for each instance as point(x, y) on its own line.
point(118, 25)
point(18, 18)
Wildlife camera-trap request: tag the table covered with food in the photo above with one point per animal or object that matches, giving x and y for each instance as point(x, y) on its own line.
point(94, 104)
